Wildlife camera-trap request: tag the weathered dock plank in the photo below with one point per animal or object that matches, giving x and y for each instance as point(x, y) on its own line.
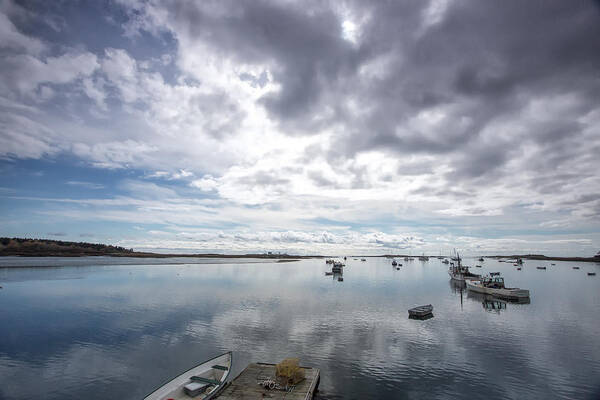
point(246, 385)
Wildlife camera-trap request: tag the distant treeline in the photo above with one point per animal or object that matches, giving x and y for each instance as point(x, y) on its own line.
point(46, 247)
point(60, 248)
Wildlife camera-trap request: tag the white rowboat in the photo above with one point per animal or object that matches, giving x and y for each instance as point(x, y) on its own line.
point(202, 382)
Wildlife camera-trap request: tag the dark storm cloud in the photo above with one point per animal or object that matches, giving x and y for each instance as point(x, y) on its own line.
point(478, 62)
point(303, 45)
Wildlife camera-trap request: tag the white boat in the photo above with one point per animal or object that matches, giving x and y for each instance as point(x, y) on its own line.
point(337, 266)
point(394, 263)
point(494, 285)
point(461, 272)
point(202, 382)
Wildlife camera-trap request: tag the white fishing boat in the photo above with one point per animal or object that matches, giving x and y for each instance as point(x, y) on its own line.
point(202, 382)
point(461, 272)
point(337, 266)
point(494, 285)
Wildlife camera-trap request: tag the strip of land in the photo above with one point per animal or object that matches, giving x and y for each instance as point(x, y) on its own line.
point(543, 257)
point(24, 247)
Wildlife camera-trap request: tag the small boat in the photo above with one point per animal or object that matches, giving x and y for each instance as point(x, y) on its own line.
point(340, 279)
point(478, 266)
point(591, 274)
point(397, 268)
point(541, 267)
point(495, 286)
point(480, 259)
point(575, 267)
point(363, 259)
point(515, 265)
point(519, 268)
point(519, 261)
point(327, 273)
point(423, 258)
point(445, 261)
point(202, 382)
point(552, 264)
point(420, 311)
point(394, 263)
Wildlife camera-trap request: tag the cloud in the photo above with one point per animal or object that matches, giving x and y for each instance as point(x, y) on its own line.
point(89, 185)
point(11, 38)
point(23, 73)
point(357, 114)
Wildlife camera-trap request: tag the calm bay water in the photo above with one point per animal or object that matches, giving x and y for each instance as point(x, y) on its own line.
point(116, 331)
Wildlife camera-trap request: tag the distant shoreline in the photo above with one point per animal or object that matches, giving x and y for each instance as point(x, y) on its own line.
point(543, 257)
point(22, 247)
point(282, 257)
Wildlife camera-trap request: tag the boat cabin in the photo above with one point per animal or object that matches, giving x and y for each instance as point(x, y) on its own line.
point(496, 282)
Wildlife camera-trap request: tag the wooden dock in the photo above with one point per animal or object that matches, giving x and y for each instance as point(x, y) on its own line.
point(246, 385)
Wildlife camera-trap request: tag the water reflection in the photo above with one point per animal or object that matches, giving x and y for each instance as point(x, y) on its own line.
point(117, 331)
point(489, 303)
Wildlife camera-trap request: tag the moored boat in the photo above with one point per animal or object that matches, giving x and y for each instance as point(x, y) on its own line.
point(394, 263)
point(337, 266)
point(461, 272)
point(420, 311)
point(494, 285)
point(202, 382)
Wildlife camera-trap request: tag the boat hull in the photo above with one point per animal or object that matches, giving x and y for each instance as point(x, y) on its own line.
point(206, 372)
point(506, 293)
point(462, 277)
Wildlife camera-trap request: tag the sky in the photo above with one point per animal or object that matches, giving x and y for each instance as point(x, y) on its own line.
point(312, 127)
